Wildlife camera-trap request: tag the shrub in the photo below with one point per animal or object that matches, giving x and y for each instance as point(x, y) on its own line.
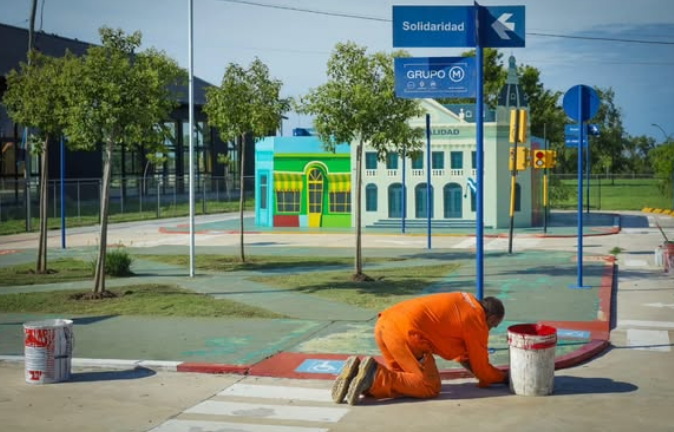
point(117, 263)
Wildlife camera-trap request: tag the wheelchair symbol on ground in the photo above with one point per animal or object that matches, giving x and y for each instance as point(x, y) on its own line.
point(321, 366)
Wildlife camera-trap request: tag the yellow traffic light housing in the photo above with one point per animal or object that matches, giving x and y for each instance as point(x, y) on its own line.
point(522, 158)
point(551, 159)
point(518, 126)
point(539, 159)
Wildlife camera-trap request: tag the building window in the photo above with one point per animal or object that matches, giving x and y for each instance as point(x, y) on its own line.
point(263, 192)
point(418, 161)
point(371, 198)
point(340, 202)
point(456, 160)
point(371, 160)
point(473, 159)
point(453, 201)
point(288, 202)
point(421, 198)
point(392, 161)
point(395, 200)
point(438, 160)
point(473, 201)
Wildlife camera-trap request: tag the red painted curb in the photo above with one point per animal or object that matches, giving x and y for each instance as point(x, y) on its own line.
point(213, 368)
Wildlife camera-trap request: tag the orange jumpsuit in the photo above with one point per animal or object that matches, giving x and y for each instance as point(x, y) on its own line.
point(451, 325)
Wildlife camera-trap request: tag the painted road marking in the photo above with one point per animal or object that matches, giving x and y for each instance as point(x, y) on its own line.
point(213, 426)
point(321, 366)
point(636, 263)
point(651, 221)
point(653, 324)
point(266, 411)
point(648, 340)
point(277, 392)
point(466, 244)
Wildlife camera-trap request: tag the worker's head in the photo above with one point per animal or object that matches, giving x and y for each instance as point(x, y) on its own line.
point(494, 310)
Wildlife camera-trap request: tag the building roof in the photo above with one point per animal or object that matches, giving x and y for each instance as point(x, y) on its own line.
point(14, 47)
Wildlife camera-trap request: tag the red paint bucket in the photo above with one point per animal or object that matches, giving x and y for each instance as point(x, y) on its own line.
point(48, 349)
point(668, 256)
point(532, 359)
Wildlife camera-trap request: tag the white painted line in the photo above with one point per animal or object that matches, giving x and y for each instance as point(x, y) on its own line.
point(11, 358)
point(651, 221)
point(212, 426)
point(636, 263)
point(653, 324)
point(648, 340)
point(466, 244)
point(272, 412)
point(277, 392)
point(160, 365)
point(112, 363)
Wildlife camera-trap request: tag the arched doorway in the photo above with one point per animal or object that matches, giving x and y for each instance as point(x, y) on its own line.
point(453, 201)
point(395, 201)
point(420, 196)
point(315, 181)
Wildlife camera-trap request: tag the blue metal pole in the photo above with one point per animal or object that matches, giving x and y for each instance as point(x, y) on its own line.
point(479, 57)
point(403, 192)
point(63, 195)
point(587, 169)
point(428, 176)
point(580, 186)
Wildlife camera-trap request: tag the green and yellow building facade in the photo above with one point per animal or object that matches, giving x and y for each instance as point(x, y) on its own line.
point(299, 184)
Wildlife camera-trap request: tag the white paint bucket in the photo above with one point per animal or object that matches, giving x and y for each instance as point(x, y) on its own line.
point(532, 359)
point(48, 349)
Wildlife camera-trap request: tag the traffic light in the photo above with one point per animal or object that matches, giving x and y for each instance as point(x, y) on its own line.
point(518, 125)
point(522, 158)
point(551, 159)
point(539, 159)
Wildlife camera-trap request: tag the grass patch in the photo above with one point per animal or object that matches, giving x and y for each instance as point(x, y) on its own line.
point(391, 285)
point(616, 250)
point(618, 194)
point(62, 270)
point(139, 300)
point(231, 263)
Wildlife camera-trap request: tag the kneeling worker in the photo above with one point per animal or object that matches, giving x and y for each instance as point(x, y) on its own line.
point(454, 326)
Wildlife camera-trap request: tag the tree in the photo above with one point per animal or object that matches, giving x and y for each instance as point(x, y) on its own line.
point(36, 98)
point(248, 102)
point(662, 160)
point(117, 98)
point(358, 105)
point(609, 146)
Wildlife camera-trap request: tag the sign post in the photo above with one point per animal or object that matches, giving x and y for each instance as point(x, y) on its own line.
point(581, 103)
point(459, 26)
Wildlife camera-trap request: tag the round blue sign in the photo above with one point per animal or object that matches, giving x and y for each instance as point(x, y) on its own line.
point(581, 103)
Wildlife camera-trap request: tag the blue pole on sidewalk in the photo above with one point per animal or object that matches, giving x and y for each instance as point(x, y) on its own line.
point(479, 57)
point(428, 176)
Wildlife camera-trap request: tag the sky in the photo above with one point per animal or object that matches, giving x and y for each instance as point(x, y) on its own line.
point(296, 45)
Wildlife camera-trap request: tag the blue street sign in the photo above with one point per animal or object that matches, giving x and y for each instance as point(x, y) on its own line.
point(433, 26)
point(590, 129)
point(571, 141)
point(589, 99)
point(435, 77)
point(502, 27)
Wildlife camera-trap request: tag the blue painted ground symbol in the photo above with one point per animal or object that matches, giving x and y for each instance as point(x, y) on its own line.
point(321, 366)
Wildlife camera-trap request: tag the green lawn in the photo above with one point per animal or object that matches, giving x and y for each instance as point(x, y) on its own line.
point(391, 285)
point(144, 300)
point(620, 194)
point(62, 270)
point(224, 263)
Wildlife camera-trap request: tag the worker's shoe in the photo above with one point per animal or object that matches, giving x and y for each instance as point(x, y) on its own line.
point(363, 381)
point(341, 384)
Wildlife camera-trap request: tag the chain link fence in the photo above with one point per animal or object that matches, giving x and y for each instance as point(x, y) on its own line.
point(131, 199)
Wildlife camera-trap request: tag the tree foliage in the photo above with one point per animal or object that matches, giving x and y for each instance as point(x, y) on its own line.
point(118, 97)
point(247, 102)
point(36, 98)
point(357, 105)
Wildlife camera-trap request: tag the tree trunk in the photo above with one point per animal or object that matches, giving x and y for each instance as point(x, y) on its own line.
point(99, 277)
point(359, 166)
point(44, 203)
point(242, 156)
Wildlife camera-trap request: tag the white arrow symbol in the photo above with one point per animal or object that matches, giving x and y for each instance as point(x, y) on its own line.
point(501, 25)
point(660, 305)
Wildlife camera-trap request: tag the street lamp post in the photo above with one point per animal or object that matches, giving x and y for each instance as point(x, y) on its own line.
point(667, 139)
